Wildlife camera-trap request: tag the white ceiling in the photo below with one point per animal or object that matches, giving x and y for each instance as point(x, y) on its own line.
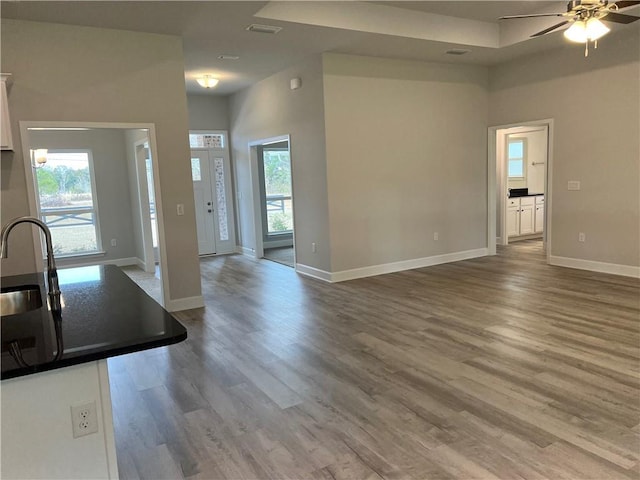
point(418, 30)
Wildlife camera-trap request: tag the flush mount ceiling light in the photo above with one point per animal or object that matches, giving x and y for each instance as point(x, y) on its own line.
point(226, 56)
point(207, 81)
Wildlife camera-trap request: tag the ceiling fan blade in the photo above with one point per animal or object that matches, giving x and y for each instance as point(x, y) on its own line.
point(550, 29)
point(508, 17)
point(624, 4)
point(619, 18)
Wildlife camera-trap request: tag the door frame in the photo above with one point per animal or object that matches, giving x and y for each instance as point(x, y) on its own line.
point(25, 125)
point(497, 174)
point(145, 208)
point(222, 247)
point(256, 211)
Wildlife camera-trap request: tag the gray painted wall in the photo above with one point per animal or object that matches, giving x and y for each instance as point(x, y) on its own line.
point(112, 183)
point(269, 109)
point(75, 74)
point(406, 157)
point(595, 103)
point(208, 112)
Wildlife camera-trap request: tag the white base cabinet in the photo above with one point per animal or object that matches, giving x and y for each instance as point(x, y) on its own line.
point(525, 216)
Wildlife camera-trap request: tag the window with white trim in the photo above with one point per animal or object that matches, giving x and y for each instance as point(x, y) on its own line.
point(516, 150)
point(67, 202)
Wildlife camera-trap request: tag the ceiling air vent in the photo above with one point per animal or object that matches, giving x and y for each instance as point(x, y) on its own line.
point(457, 51)
point(254, 27)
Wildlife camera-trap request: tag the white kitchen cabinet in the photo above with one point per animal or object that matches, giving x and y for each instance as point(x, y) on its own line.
point(6, 141)
point(526, 215)
point(513, 217)
point(522, 214)
point(539, 214)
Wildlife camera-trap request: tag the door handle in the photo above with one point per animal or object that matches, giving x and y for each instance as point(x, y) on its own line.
point(209, 203)
point(209, 210)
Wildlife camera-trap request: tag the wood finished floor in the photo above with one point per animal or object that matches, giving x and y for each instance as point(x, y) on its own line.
point(498, 367)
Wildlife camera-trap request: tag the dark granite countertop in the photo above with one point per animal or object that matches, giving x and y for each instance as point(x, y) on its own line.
point(104, 314)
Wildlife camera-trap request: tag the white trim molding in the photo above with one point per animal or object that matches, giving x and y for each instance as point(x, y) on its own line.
point(249, 252)
point(313, 272)
point(602, 267)
point(86, 260)
point(389, 267)
point(186, 303)
point(407, 264)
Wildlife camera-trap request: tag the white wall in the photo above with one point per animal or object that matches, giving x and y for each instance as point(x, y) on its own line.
point(269, 109)
point(208, 112)
point(595, 104)
point(536, 157)
point(406, 157)
point(76, 74)
point(112, 184)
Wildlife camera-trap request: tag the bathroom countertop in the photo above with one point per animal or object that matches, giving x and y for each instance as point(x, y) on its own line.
point(104, 314)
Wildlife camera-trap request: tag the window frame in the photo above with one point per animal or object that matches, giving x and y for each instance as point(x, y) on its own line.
point(523, 141)
point(94, 196)
point(264, 200)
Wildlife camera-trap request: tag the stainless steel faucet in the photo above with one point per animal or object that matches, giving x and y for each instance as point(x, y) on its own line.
point(52, 273)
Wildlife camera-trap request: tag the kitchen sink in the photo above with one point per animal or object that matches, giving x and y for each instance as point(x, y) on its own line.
point(21, 299)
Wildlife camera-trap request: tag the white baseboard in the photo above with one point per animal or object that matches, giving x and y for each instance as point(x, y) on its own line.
point(602, 267)
point(313, 272)
point(389, 267)
point(83, 262)
point(184, 303)
point(407, 265)
point(141, 264)
point(249, 252)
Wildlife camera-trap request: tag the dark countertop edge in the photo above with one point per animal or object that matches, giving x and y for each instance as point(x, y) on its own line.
point(528, 195)
point(90, 357)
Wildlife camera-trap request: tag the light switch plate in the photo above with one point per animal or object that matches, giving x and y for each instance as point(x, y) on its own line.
point(573, 185)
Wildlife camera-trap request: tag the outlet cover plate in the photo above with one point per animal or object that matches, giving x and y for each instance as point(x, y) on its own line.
point(84, 419)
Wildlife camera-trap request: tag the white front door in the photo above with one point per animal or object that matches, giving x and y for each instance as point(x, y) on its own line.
point(203, 191)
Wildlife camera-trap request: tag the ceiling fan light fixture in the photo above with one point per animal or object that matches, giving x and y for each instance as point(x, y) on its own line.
point(207, 81)
point(577, 32)
point(596, 29)
point(583, 31)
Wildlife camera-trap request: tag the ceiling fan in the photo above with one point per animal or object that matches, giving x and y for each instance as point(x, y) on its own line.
point(586, 18)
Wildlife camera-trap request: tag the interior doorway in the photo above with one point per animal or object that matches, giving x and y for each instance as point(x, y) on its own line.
point(519, 200)
point(274, 200)
point(104, 220)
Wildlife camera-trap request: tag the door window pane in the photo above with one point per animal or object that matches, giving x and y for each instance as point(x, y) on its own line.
point(196, 174)
point(221, 199)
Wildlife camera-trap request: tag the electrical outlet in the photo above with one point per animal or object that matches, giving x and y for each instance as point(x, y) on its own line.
point(114, 242)
point(435, 236)
point(582, 237)
point(180, 208)
point(84, 419)
point(313, 247)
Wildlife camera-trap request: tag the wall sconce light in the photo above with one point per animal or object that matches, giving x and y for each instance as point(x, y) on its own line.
point(207, 81)
point(39, 157)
